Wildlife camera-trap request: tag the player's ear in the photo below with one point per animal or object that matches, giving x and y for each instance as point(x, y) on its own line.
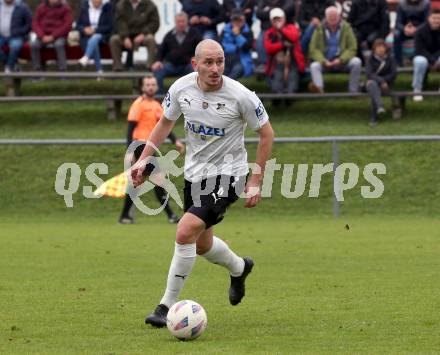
point(194, 63)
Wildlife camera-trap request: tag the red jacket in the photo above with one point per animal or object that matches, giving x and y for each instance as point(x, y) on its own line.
point(56, 21)
point(273, 43)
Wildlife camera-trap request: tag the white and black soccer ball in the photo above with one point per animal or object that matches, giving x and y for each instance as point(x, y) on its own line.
point(186, 320)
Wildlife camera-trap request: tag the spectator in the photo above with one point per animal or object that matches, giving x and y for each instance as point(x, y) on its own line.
point(136, 22)
point(15, 24)
point(237, 42)
point(247, 7)
point(175, 52)
point(427, 44)
point(52, 23)
point(95, 25)
point(333, 48)
point(410, 15)
point(310, 16)
point(381, 71)
point(263, 10)
point(204, 15)
point(285, 59)
point(369, 20)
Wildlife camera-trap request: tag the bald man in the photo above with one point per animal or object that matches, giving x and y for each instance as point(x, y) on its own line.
point(216, 110)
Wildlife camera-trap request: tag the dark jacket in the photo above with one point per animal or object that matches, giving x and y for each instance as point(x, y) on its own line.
point(240, 45)
point(21, 20)
point(427, 43)
point(369, 16)
point(273, 42)
point(179, 54)
point(230, 5)
point(414, 13)
point(208, 8)
point(287, 5)
point(381, 70)
point(52, 20)
point(130, 22)
point(312, 8)
point(105, 22)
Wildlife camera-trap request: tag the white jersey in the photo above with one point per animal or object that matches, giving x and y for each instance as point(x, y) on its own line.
point(214, 125)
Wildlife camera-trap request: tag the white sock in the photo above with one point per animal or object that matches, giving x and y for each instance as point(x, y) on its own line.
point(222, 255)
point(181, 266)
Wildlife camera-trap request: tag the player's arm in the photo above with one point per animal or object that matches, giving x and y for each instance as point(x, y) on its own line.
point(264, 150)
point(157, 136)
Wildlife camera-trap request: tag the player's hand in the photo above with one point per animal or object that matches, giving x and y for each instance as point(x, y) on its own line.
point(127, 43)
point(47, 39)
point(180, 147)
point(253, 193)
point(136, 174)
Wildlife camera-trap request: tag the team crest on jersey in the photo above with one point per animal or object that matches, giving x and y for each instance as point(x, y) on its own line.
point(259, 111)
point(220, 106)
point(205, 105)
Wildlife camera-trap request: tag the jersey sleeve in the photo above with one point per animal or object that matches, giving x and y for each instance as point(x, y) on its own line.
point(253, 111)
point(171, 105)
point(133, 113)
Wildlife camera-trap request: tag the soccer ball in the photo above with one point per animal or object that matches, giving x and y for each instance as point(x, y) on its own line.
point(186, 320)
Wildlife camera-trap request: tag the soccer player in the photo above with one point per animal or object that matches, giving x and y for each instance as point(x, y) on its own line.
point(143, 116)
point(216, 111)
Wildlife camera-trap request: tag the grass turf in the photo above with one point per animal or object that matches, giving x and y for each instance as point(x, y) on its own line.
point(84, 286)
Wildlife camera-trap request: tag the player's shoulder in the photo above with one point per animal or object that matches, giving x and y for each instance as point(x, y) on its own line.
point(184, 82)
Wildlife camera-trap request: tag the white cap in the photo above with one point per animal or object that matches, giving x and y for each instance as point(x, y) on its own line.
point(276, 12)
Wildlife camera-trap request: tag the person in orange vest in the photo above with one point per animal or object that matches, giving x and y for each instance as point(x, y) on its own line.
point(143, 116)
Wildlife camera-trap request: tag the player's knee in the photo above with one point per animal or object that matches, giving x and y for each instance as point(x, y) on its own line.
point(185, 233)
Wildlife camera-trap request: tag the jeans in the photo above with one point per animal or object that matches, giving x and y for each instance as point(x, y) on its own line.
point(420, 64)
point(170, 69)
point(261, 50)
point(354, 66)
point(210, 34)
point(375, 91)
point(279, 85)
point(306, 38)
point(14, 45)
point(92, 49)
point(234, 70)
point(60, 49)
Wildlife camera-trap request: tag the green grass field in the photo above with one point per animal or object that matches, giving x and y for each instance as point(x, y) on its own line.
point(85, 287)
point(75, 282)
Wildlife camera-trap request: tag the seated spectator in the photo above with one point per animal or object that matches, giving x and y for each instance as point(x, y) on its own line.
point(175, 52)
point(263, 10)
point(52, 23)
point(410, 15)
point(136, 22)
point(333, 48)
point(369, 21)
point(427, 44)
point(381, 71)
point(247, 7)
point(310, 16)
point(95, 25)
point(204, 15)
point(285, 59)
point(15, 24)
point(237, 42)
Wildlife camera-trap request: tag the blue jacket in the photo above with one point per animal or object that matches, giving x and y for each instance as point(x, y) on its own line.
point(241, 45)
point(105, 23)
point(21, 21)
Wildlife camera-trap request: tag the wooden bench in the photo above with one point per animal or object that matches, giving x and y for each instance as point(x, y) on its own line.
point(114, 102)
